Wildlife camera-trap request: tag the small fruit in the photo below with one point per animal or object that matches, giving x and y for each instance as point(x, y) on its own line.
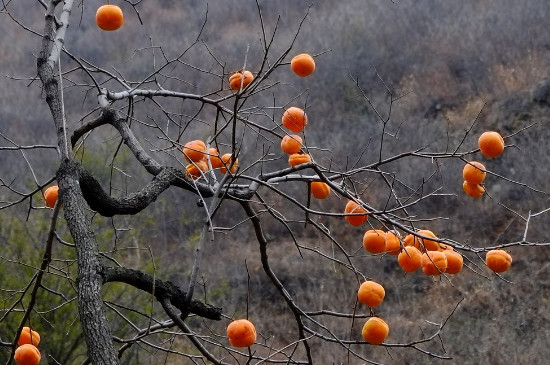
point(291, 144)
point(374, 241)
point(491, 144)
point(474, 172)
point(320, 190)
point(371, 293)
point(27, 354)
point(393, 246)
point(375, 331)
point(50, 195)
point(298, 158)
point(214, 157)
point(294, 119)
point(109, 17)
point(422, 244)
point(473, 190)
point(455, 261)
point(195, 169)
point(498, 260)
point(241, 333)
point(360, 214)
point(226, 162)
point(28, 336)
point(410, 259)
point(194, 151)
point(434, 263)
point(302, 65)
point(236, 79)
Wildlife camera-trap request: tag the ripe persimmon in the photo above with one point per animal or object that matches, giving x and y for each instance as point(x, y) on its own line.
point(434, 262)
point(194, 151)
point(235, 80)
point(393, 246)
point(27, 354)
point(226, 162)
point(291, 144)
point(294, 119)
point(374, 241)
point(423, 244)
point(410, 259)
point(320, 190)
point(194, 169)
point(356, 219)
point(241, 333)
point(498, 260)
point(474, 172)
point(375, 331)
point(50, 195)
point(214, 157)
point(371, 293)
point(109, 17)
point(473, 190)
point(491, 144)
point(455, 261)
point(298, 158)
point(302, 65)
point(28, 336)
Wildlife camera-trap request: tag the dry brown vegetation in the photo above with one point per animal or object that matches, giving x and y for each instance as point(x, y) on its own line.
point(459, 58)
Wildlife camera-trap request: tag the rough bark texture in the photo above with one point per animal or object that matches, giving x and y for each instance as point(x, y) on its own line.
point(161, 290)
point(95, 326)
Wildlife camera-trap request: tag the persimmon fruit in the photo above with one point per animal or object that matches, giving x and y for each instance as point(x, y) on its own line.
point(423, 244)
point(50, 195)
point(371, 294)
point(28, 336)
point(195, 169)
point(498, 260)
point(246, 77)
point(303, 65)
point(294, 119)
point(491, 144)
point(473, 190)
point(474, 172)
point(298, 158)
point(320, 190)
point(375, 330)
point(27, 354)
point(455, 261)
point(194, 151)
point(214, 157)
point(374, 241)
point(410, 259)
point(434, 263)
point(393, 246)
point(291, 144)
point(109, 17)
point(241, 333)
point(360, 214)
point(226, 162)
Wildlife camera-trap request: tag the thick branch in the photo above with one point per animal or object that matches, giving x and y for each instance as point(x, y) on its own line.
point(161, 290)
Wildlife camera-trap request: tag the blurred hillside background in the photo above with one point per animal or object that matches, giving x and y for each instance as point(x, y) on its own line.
point(459, 58)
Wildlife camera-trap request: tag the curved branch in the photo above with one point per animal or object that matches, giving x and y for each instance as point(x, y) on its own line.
point(162, 290)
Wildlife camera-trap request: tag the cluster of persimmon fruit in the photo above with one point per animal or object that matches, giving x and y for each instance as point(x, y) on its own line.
point(195, 153)
point(491, 145)
point(241, 332)
point(27, 353)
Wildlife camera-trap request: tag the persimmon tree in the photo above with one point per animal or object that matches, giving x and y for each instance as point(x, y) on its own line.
point(239, 163)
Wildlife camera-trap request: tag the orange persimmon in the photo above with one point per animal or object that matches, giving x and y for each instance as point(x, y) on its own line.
point(360, 214)
point(320, 190)
point(294, 119)
point(291, 144)
point(474, 172)
point(410, 259)
point(27, 354)
point(498, 260)
point(374, 241)
point(109, 17)
point(241, 333)
point(195, 169)
point(375, 331)
point(194, 151)
point(393, 246)
point(473, 190)
point(226, 162)
point(50, 195)
point(28, 336)
point(455, 261)
point(298, 158)
point(302, 65)
point(491, 144)
point(371, 294)
point(434, 262)
point(235, 80)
